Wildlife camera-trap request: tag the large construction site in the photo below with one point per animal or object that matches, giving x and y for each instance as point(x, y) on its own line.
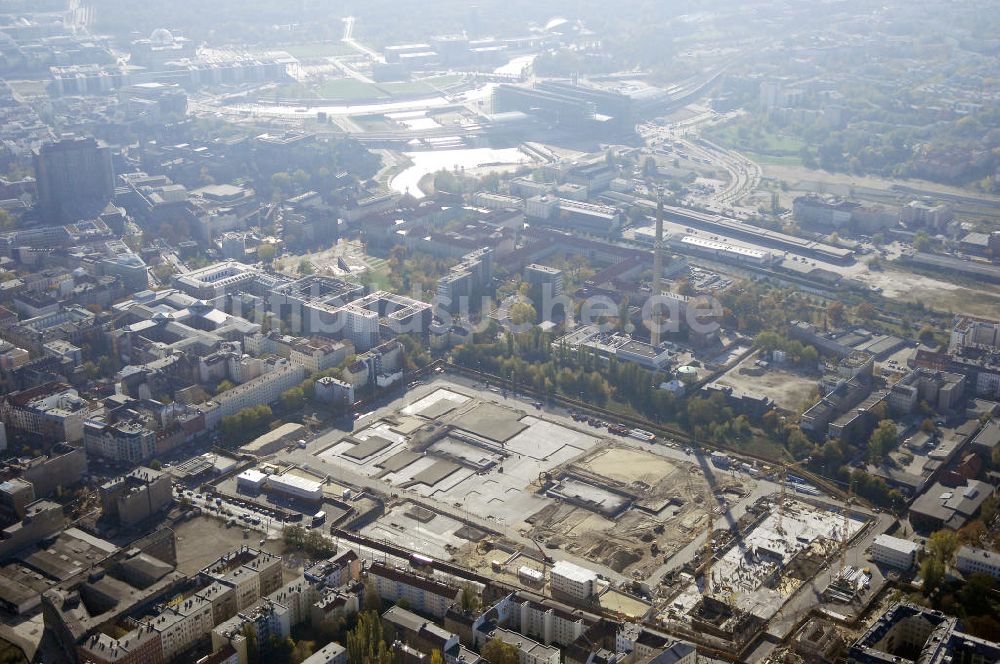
point(558, 489)
point(503, 487)
point(746, 577)
point(629, 509)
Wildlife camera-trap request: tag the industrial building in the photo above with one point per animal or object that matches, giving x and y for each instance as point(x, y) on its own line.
point(720, 247)
point(756, 235)
point(295, 486)
point(251, 480)
point(619, 346)
point(952, 507)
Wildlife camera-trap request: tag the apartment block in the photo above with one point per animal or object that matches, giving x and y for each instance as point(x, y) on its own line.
point(572, 580)
point(318, 354)
point(265, 389)
point(906, 632)
point(53, 411)
point(895, 552)
point(252, 574)
point(423, 593)
point(136, 496)
point(971, 560)
point(124, 441)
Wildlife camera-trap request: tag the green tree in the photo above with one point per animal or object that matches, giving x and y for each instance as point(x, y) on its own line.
point(835, 311)
point(266, 253)
point(932, 572)
point(318, 545)
point(865, 311)
point(468, 600)
point(942, 545)
point(883, 440)
point(306, 267)
point(975, 594)
point(245, 422)
point(300, 179)
point(293, 398)
point(366, 642)
point(989, 508)
point(8, 222)
point(294, 536)
point(281, 183)
point(372, 601)
point(500, 652)
point(809, 357)
point(156, 464)
point(224, 386)
point(769, 341)
point(280, 651)
point(522, 313)
point(927, 335)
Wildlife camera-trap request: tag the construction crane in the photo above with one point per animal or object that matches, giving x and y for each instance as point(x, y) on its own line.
point(784, 493)
point(845, 537)
point(707, 547)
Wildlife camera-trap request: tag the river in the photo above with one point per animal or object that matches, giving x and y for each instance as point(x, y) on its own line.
point(516, 66)
point(498, 159)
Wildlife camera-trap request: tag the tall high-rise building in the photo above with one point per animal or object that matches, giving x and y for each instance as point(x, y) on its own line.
point(74, 178)
point(538, 276)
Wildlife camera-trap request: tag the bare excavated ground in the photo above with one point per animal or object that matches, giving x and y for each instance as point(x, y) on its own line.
point(668, 509)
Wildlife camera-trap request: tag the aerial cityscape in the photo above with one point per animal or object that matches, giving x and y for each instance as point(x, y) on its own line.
point(449, 332)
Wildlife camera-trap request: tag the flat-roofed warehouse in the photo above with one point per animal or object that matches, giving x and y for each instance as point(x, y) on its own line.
point(272, 441)
point(755, 234)
point(721, 247)
point(295, 486)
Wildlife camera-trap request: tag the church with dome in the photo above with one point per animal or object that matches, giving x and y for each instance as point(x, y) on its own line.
point(160, 47)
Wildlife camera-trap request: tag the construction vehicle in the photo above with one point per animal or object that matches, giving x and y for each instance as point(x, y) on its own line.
point(546, 558)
